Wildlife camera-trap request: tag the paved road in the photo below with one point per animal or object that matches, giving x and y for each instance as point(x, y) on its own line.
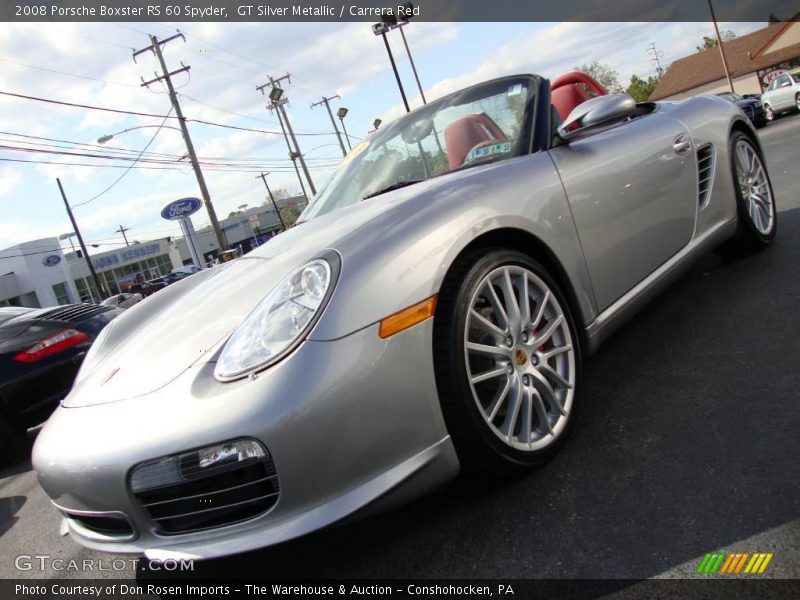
point(687, 442)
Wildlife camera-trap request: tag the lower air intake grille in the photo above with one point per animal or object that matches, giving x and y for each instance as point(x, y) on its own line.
point(207, 488)
point(705, 172)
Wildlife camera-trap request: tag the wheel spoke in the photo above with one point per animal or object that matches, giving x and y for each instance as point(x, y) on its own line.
point(549, 371)
point(488, 325)
point(513, 413)
point(541, 411)
point(525, 301)
point(549, 393)
point(540, 311)
point(498, 401)
point(488, 350)
point(556, 351)
point(489, 375)
point(511, 298)
point(497, 306)
point(551, 328)
point(527, 417)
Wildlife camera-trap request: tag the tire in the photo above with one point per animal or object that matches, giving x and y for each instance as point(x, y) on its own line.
point(769, 113)
point(797, 102)
point(757, 216)
point(492, 394)
point(12, 440)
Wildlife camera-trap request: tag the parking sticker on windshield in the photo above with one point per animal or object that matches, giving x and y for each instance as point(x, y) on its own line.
point(485, 151)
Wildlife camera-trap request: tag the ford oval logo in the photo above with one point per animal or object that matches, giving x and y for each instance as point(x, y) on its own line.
point(51, 260)
point(180, 209)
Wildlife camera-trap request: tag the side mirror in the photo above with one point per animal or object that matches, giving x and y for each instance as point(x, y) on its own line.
point(596, 112)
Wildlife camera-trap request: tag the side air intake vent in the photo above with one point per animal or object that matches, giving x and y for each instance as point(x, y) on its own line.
point(705, 173)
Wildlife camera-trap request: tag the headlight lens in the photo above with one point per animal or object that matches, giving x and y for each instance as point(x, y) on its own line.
point(280, 320)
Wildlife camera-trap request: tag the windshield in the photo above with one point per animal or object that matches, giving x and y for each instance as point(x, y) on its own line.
point(481, 124)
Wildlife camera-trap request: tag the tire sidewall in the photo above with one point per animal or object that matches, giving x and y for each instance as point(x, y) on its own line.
point(488, 263)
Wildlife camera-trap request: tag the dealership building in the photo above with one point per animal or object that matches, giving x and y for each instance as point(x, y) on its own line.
point(754, 60)
point(39, 273)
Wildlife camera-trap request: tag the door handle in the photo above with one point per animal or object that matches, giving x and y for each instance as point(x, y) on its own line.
point(682, 144)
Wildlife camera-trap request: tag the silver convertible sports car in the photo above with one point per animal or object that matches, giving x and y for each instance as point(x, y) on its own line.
point(428, 314)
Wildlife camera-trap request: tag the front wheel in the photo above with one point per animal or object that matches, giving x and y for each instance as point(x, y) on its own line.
point(507, 361)
point(770, 114)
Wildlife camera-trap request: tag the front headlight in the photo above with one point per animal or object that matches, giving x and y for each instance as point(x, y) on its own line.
point(280, 321)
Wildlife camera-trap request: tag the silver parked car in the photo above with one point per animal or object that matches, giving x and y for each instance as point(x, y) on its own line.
point(782, 95)
point(429, 313)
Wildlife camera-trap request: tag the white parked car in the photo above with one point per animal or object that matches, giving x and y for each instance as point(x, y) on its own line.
point(782, 95)
point(124, 300)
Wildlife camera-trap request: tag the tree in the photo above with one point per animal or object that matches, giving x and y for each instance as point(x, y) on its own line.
point(289, 214)
point(641, 89)
point(605, 76)
point(711, 41)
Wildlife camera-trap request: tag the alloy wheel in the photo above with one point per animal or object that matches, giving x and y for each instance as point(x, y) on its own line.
point(754, 187)
point(520, 358)
point(769, 112)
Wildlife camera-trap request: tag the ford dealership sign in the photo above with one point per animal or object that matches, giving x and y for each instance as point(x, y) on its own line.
point(180, 209)
point(51, 260)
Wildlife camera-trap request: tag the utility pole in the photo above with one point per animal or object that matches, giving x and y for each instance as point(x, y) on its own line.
point(277, 101)
point(381, 29)
point(122, 230)
point(333, 121)
point(263, 177)
point(657, 56)
point(166, 76)
point(100, 289)
point(721, 50)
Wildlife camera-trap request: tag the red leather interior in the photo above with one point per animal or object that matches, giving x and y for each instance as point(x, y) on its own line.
point(566, 93)
point(467, 133)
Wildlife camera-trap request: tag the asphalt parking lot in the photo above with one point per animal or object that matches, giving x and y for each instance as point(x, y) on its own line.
point(687, 443)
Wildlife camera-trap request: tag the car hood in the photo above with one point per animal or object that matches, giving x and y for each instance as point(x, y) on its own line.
point(185, 324)
point(748, 102)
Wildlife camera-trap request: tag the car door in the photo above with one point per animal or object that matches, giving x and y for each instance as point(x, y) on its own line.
point(783, 93)
point(633, 194)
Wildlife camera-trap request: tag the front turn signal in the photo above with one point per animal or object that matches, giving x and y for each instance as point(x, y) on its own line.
point(407, 317)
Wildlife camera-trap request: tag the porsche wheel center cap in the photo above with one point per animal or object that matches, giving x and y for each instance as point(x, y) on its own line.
point(520, 357)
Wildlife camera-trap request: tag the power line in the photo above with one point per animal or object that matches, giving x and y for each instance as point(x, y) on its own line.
point(100, 166)
point(128, 170)
point(153, 115)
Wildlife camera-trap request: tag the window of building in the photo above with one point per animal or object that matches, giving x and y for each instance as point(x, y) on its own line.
point(60, 290)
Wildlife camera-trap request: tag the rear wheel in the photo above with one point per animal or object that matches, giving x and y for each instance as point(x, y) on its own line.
point(507, 361)
point(755, 202)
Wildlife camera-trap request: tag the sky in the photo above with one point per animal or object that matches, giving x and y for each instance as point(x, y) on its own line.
point(91, 64)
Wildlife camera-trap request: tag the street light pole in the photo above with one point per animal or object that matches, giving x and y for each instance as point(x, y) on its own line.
point(381, 29)
point(100, 290)
point(411, 60)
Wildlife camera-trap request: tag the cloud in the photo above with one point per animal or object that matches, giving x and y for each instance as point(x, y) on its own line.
point(9, 180)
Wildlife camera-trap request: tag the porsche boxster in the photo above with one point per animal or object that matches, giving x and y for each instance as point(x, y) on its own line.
point(429, 313)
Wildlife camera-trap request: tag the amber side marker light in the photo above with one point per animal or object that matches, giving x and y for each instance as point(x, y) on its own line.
point(407, 317)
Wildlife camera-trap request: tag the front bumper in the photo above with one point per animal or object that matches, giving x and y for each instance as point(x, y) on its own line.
point(350, 423)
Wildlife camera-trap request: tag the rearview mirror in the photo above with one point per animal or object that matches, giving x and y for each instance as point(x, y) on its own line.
point(596, 112)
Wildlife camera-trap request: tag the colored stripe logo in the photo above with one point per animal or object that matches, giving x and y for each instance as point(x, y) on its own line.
point(735, 563)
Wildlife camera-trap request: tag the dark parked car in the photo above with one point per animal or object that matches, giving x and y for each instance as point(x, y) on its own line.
point(9, 312)
point(751, 107)
point(40, 353)
point(147, 288)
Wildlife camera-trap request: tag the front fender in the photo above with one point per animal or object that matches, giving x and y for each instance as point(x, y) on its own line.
point(402, 256)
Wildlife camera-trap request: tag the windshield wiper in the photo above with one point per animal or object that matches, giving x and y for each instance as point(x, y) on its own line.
point(395, 186)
